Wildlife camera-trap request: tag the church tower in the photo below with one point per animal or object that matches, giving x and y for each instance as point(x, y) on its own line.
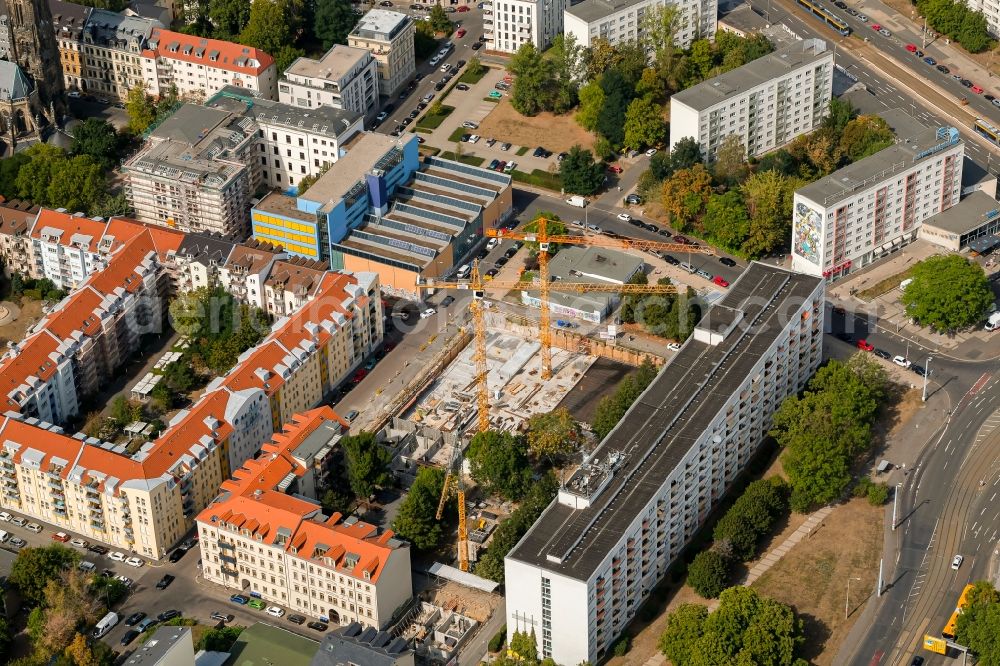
point(34, 48)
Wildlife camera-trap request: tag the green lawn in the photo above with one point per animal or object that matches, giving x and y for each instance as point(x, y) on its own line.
point(431, 121)
point(490, 99)
point(471, 160)
point(457, 134)
point(470, 78)
point(522, 150)
point(539, 178)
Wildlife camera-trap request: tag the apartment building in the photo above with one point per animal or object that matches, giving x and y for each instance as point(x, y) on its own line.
point(620, 21)
point(112, 48)
point(68, 21)
point(766, 103)
point(580, 574)
point(292, 143)
point(379, 208)
point(344, 78)
point(871, 208)
point(246, 268)
point(313, 349)
point(199, 260)
point(291, 284)
point(509, 24)
point(201, 67)
point(263, 536)
point(16, 219)
point(69, 248)
point(388, 36)
point(87, 336)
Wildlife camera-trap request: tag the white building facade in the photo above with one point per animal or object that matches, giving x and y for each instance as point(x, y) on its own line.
point(619, 21)
point(766, 103)
point(509, 24)
point(344, 78)
point(388, 36)
point(873, 207)
point(580, 574)
point(991, 10)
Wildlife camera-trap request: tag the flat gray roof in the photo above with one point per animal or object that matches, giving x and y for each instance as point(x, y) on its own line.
point(611, 265)
point(745, 19)
point(191, 123)
point(334, 64)
point(380, 24)
point(323, 119)
point(738, 81)
point(664, 423)
point(159, 644)
point(363, 152)
point(881, 166)
point(595, 10)
point(967, 215)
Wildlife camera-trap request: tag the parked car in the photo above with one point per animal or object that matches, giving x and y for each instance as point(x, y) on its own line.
point(136, 562)
point(164, 582)
point(18, 542)
point(957, 562)
point(633, 200)
point(19, 521)
point(505, 146)
point(864, 345)
point(881, 353)
point(117, 556)
point(912, 48)
point(146, 624)
point(721, 281)
point(941, 68)
point(447, 300)
point(275, 611)
point(296, 619)
point(725, 261)
point(317, 626)
point(239, 599)
point(128, 637)
point(509, 167)
point(674, 346)
point(650, 152)
point(704, 274)
point(168, 615)
point(79, 543)
point(615, 168)
point(33, 527)
point(5, 517)
point(594, 228)
point(477, 46)
point(222, 617)
point(125, 580)
point(351, 415)
point(901, 361)
point(97, 549)
point(468, 124)
point(429, 312)
point(61, 537)
point(624, 217)
point(493, 164)
point(670, 259)
point(177, 555)
point(134, 619)
point(257, 604)
point(461, 86)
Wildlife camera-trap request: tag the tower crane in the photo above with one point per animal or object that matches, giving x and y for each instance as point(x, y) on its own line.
point(453, 481)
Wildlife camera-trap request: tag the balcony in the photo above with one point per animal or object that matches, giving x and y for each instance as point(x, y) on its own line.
point(229, 572)
point(228, 559)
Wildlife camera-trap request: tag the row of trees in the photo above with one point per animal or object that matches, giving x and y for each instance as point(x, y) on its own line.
point(671, 316)
point(546, 82)
point(958, 22)
point(65, 603)
point(978, 625)
point(219, 328)
point(827, 429)
point(738, 535)
point(947, 293)
point(747, 208)
point(745, 628)
point(612, 407)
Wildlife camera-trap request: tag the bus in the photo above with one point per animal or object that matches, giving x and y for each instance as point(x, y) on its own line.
point(826, 16)
point(949, 629)
point(987, 130)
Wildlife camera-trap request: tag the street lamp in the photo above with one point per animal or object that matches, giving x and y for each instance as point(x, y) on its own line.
point(927, 363)
point(847, 602)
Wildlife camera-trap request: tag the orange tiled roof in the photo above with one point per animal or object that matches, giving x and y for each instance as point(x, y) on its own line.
point(123, 229)
point(229, 53)
point(70, 225)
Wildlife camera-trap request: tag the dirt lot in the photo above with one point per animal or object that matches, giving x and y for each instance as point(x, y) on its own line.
point(30, 312)
point(812, 577)
point(556, 133)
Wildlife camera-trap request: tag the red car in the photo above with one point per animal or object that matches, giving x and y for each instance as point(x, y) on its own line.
point(864, 345)
point(719, 280)
point(977, 90)
point(60, 536)
point(614, 168)
point(912, 48)
point(460, 33)
point(359, 374)
point(876, 27)
point(683, 240)
point(463, 8)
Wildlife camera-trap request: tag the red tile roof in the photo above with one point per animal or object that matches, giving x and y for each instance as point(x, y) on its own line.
point(231, 56)
point(122, 229)
point(70, 225)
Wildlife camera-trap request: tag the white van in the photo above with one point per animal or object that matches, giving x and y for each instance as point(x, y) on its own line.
point(577, 201)
point(4, 536)
point(463, 271)
point(106, 624)
point(993, 323)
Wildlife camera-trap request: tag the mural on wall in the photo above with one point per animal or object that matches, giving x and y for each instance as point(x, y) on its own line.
point(807, 230)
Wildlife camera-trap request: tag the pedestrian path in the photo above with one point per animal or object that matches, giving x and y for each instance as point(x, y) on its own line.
point(775, 554)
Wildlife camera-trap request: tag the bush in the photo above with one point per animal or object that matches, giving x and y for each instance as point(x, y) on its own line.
point(497, 641)
point(752, 516)
point(708, 574)
point(33, 294)
point(622, 647)
point(877, 493)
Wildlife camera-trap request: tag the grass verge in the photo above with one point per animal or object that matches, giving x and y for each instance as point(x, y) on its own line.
point(432, 121)
point(470, 77)
point(885, 286)
point(490, 99)
point(539, 178)
point(522, 150)
point(458, 134)
point(471, 160)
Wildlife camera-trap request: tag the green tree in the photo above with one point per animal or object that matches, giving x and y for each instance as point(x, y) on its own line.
point(708, 573)
point(334, 21)
point(948, 293)
point(416, 521)
point(33, 568)
point(525, 646)
point(499, 461)
point(644, 124)
point(9, 168)
point(684, 155)
point(659, 32)
point(553, 434)
point(612, 408)
point(367, 463)
point(618, 94)
point(730, 166)
point(768, 195)
point(580, 173)
point(510, 531)
point(864, 136)
point(124, 411)
point(534, 80)
point(5, 639)
point(978, 626)
point(685, 194)
point(751, 517)
point(97, 139)
point(651, 85)
point(220, 639)
point(425, 42)
point(566, 60)
point(228, 17)
point(269, 26)
point(440, 21)
point(680, 638)
point(726, 220)
point(140, 109)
